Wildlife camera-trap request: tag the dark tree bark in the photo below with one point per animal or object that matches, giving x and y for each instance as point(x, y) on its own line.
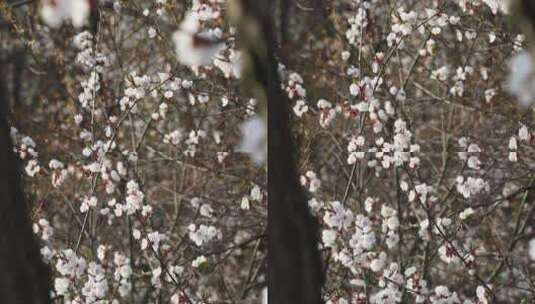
point(24, 278)
point(284, 7)
point(294, 261)
point(19, 60)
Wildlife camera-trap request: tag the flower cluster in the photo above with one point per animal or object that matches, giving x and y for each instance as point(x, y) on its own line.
point(133, 156)
point(421, 151)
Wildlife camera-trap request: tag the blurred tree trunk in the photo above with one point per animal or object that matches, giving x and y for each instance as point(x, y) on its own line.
point(294, 261)
point(19, 60)
point(24, 278)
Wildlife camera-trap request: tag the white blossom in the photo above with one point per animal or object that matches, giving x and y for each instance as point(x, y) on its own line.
point(54, 12)
point(254, 140)
point(193, 46)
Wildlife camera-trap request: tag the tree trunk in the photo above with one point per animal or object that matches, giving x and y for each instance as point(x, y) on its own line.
point(24, 278)
point(294, 261)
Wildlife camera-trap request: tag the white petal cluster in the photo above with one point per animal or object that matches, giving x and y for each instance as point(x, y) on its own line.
point(311, 181)
point(327, 112)
point(338, 217)
point(521, 82)
point(471, 186)
point(203, 234)
point(443, 295)
point(254, 140)
point(193, 46)
point(54, 12)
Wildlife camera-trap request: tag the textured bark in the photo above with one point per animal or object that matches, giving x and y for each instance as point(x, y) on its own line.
point(24, 278)
point(19, 61)
point(294, 261)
